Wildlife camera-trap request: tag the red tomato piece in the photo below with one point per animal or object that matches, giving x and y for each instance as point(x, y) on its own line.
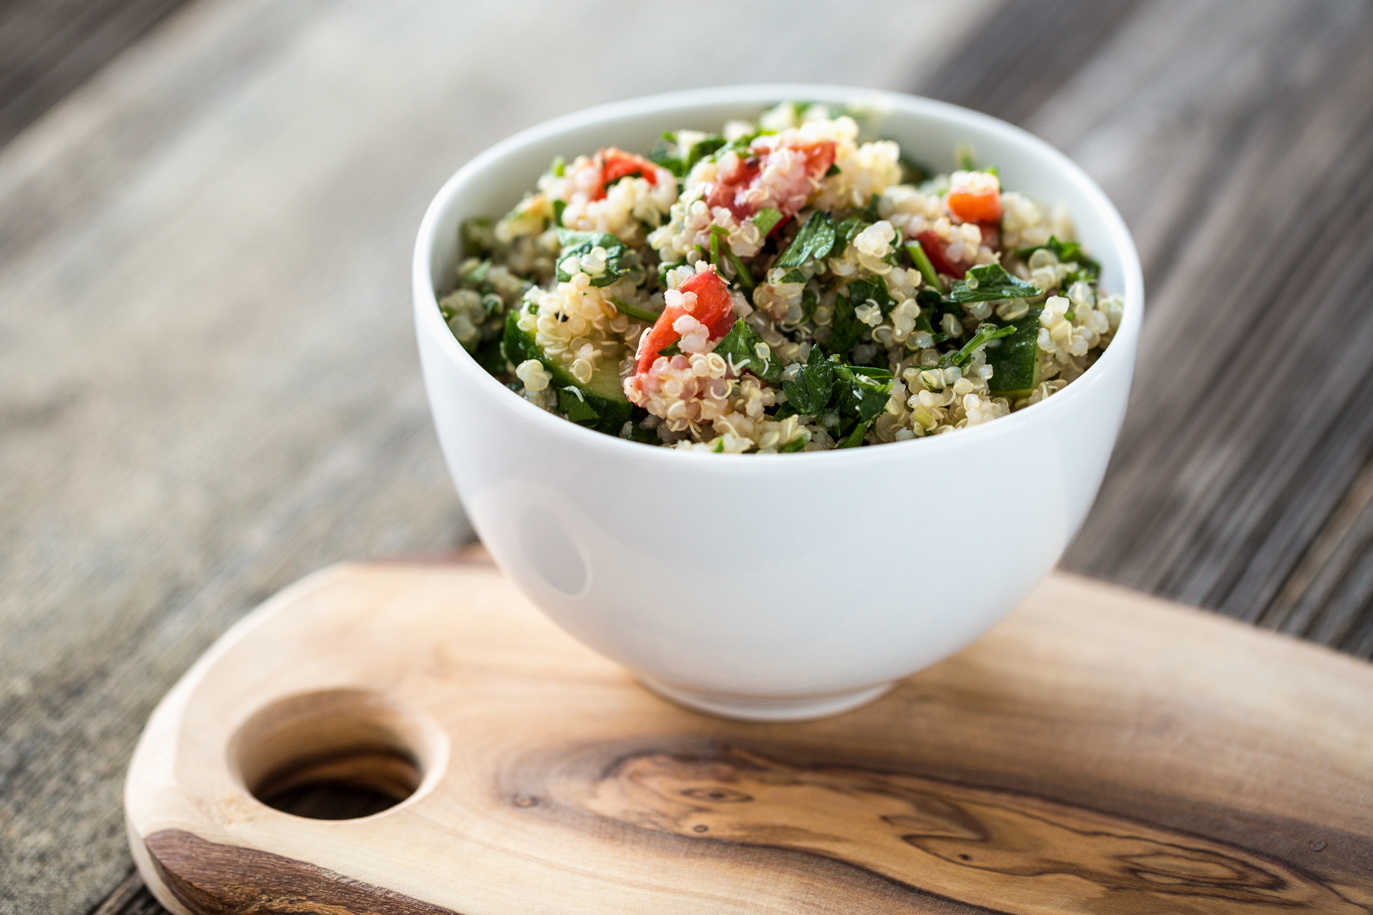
point(616, 164)
point(714, 308)
point(934, 250)
point(797, 171)
point(975, 206)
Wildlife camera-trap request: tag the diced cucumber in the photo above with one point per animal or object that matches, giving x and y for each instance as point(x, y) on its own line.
point(600, 403)
point(1014, 358)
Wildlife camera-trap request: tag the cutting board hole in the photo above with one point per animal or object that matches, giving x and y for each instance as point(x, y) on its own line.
point(336, 754)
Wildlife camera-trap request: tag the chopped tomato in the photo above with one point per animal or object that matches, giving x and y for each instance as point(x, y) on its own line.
point(616, 164)
point(795, 172)
point(934, 250)
point(714, 308)
point(972, 205)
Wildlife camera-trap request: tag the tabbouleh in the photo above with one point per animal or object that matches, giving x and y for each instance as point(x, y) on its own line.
point(780, 286)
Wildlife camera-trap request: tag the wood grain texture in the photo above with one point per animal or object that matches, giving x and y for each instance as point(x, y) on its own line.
point(50, 47)
point(1098, 751)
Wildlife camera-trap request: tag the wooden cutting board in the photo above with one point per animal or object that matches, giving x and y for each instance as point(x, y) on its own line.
point(1098, 752)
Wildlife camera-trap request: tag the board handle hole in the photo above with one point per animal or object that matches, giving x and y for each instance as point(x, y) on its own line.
point(335, 755)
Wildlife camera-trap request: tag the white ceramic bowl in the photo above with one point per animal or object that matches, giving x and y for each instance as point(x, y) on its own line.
point(773, 587)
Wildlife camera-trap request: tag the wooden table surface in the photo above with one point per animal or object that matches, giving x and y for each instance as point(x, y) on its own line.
point(208, 381)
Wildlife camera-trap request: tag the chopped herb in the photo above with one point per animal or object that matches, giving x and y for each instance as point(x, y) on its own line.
point(845, 232)
point(1015, 358)
point(865, 391)
point(913, 172)
point(845, 330)
point(742, 349)
point(813, 242)
point(814, 384)
point(854, 438)
point(672, 349)
point(832, 170)
point(572, 404)
point(620, 261)
point(766, 220)
point(717, 248)
point(478, 236)
point(558, 207)
point(633, 311)
point(793, 276)
point(985, 333)
point(1066, 252)
point(678, 161)
point(872, 290)
point(870, 211)
point(963, 155)
point(559, 167)
point(922, 263)
point(795, 444)
point(990, 282)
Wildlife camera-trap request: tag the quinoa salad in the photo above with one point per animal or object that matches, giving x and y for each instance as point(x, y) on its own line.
point(787, 284)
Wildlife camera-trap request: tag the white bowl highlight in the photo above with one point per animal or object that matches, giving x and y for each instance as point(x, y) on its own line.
point(774, 587)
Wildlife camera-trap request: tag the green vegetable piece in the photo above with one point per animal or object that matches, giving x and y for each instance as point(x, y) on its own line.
point(600, 403)
point(985, 334)
point(922, 263)
point(811, 390)
point(478, 236)
point(793, 276)
point(620, 261)
point(1066, 252)
point(913, 172)
point(1015, 358)
point(743, 349)
point(845, 330)
point(963, 155)
point(720, 248)
point(854, 438)
point(634, 311)
point(558, 207)
point(865, 391)
point(990, 282)
point(872, 290)
point(813, 242)
point(846, 231)
point(671, 157)
point(766, 220)
point(832, 170)
point(795, 444)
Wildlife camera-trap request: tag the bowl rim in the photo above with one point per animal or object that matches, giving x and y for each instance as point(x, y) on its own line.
point(1122, 348)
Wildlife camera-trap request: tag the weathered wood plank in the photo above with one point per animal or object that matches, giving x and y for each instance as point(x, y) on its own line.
point(1233, 485)
point(50, 47)
point(208, 382)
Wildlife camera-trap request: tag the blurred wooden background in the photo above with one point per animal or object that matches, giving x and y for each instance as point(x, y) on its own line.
point(208, 383)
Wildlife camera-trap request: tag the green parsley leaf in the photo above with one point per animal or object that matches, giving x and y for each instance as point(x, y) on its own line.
point(865, 391)
point(814, 384)
point(795, 444)
point(633, 311)
point(871, 290)
point(620, 261)
point(845, 330)
point(766, 220)
point(846, 231)
point(742, 349)
point(813, 242)
point(1065, 251)
point(922, 263)
point(990, 282)
point(985, 334)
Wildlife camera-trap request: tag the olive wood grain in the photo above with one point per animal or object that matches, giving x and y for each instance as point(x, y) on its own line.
point(1099, 751)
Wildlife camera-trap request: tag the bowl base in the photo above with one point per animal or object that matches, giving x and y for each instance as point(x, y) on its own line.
point(757, 708)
